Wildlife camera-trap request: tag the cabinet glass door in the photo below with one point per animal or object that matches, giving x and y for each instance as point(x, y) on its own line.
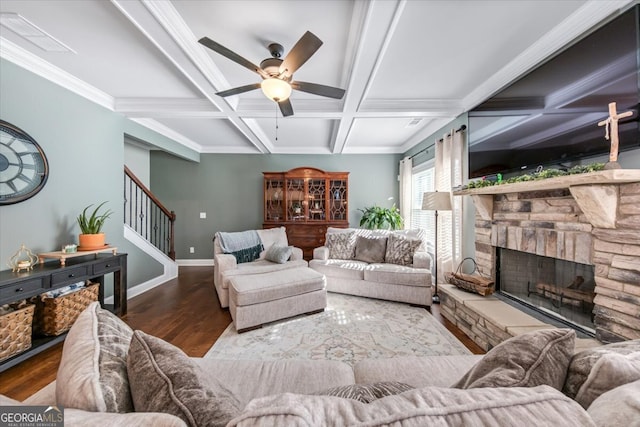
point(317, 194)
point(274, 200)
point(338, 200)
point(295, 199)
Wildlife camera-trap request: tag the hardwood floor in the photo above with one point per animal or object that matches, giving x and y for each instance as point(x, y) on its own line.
point(184, 311)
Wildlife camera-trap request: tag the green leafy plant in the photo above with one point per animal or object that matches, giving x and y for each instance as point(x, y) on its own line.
point(375, 217)
point(92, 224)
point(544, 174)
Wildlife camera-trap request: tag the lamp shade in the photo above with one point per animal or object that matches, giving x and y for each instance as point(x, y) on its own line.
point(436, 201)
point(275, 89)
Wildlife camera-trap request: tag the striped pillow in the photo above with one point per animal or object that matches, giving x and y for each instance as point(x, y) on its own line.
point(367, 393)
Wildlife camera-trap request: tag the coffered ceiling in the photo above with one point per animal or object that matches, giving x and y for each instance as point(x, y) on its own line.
point(408, 66)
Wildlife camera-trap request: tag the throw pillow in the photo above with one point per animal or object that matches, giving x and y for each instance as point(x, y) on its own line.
point(527, 360)
point(278, 254)
point(164, 379)
point(340, 245)
point(617, 407)
point(610, 371)
point(370, 250)
point(367, 393)
point(400, 249)
point(93, 370)
point(582, 363)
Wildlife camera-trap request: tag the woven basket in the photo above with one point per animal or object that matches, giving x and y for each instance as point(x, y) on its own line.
point(55, 316)
point(15, 331)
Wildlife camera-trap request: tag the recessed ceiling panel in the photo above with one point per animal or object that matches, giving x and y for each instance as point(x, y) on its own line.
point(111, 54)
point(443, 49)
point(383, 133)
point(211, 134)
point(298, 135)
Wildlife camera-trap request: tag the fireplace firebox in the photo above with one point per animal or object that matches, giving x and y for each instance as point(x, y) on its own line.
point(563, 290)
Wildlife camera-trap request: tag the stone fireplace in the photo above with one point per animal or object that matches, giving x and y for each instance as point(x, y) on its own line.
point(591, 219)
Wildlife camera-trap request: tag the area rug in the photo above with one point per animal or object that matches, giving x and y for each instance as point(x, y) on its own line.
point(350, 329)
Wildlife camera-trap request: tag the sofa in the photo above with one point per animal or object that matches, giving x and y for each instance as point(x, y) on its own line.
point(225, 265)
point(384, 264)
point(110, 375)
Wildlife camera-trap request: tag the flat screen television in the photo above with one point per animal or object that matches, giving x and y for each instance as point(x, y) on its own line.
point(550, 117)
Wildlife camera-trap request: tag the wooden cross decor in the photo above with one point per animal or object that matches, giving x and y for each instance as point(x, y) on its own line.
point(612, 121)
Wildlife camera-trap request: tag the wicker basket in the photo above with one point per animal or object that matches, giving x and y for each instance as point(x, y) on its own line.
point(55, 316)
point(15, 331)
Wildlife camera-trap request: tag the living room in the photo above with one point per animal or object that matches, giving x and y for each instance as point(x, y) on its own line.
point(72, 123)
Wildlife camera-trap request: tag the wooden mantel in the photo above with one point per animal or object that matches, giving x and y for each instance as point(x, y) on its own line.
point(595, 192)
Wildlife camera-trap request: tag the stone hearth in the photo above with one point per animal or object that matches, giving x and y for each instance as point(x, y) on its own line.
point(591, 219)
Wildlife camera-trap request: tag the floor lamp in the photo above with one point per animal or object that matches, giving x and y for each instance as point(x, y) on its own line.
point(436, 201)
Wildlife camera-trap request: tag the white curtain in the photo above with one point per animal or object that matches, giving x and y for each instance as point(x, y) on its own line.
point(406, 166)
point(457, 176)
point(448, 174)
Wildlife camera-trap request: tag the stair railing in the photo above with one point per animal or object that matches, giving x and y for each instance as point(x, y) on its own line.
point(147, 215)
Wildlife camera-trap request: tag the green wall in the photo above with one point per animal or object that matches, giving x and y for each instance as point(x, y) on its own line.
point(228, 187)
point(84, 144)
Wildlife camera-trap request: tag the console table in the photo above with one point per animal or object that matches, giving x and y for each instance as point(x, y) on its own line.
point(44, 277)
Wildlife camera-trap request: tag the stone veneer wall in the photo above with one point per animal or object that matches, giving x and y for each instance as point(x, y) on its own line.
point(550, 223)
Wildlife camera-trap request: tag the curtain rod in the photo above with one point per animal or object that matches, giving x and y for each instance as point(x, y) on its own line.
point(460, 129)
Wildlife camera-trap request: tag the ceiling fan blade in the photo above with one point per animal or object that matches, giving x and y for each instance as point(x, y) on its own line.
point(316, 89)
point(286, 108)
point(300, 53)
point(238, 90)
point(217, 47)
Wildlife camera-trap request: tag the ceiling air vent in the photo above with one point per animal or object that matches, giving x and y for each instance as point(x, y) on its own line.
point(414, 122)
point(32, 33)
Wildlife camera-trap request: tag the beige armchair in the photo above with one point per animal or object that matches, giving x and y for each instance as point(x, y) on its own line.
point(225, 265)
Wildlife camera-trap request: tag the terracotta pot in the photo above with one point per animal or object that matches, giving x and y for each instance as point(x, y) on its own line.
point(90, 242)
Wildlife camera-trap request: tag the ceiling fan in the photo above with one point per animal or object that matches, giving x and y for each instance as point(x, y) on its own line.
point(276, 73)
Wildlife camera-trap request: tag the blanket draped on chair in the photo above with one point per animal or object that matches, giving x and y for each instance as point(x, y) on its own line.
point(244, 245)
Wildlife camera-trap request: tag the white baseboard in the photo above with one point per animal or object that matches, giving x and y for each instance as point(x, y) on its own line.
point(194, 262)
point(144, 287)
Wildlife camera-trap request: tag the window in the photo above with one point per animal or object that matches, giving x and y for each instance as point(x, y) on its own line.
point(421, 182)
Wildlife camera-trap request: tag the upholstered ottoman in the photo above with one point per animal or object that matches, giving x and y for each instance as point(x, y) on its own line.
point(255, 299)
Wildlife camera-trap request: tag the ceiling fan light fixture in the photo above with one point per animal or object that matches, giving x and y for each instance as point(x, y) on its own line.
point(276, 89)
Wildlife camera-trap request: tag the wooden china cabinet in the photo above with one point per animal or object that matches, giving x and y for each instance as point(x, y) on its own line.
point(306, 201)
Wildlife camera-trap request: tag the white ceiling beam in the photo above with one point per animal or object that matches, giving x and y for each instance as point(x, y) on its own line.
point(376, 21)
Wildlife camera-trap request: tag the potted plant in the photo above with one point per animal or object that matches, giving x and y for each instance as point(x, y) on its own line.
point(92, 237)
point(375, 217)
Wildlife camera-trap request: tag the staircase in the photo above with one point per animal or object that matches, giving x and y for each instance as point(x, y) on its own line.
point(145, 215)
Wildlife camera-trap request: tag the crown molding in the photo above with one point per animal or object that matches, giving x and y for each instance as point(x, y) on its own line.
point(30, 62)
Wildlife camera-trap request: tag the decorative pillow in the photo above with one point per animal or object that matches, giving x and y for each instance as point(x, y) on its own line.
point(273, 236)
point(93, 370)
point(370, 250)
point(164, 379)
point(610, 371)
point(367, 393)
point(430, 406)
point(527, 360)
point(279, 254)
point(400, 249)
point(340, 245)
point(582, 363)
point(617, 407)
